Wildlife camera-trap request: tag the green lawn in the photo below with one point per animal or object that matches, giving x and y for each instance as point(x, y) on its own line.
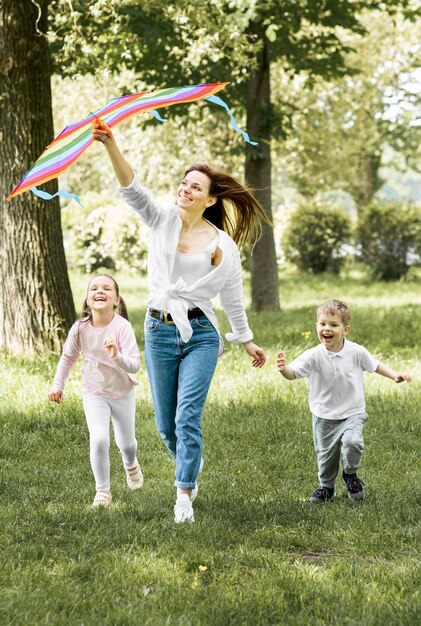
point(258, 553)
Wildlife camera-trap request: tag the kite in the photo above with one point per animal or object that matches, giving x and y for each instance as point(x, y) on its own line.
point(73, 140)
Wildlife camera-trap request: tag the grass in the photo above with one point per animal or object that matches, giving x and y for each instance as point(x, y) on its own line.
point(258, 553)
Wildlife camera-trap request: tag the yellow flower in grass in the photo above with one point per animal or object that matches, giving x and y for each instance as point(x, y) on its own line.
point(202, 568)
point(306, 334)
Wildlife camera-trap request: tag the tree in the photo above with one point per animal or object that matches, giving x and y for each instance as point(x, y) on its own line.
point(36, 306)
point(197, 41)
point(304, 39)
point(258, 171)
point(346, 129)
point(237, 40)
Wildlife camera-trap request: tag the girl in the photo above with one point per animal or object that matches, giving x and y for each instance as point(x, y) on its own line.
point(193, 256)
point(111, 356)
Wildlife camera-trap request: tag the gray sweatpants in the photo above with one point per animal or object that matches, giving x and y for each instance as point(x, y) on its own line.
point(333, 436)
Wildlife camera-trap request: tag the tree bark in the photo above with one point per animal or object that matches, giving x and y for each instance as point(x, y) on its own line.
point(36, 304)
point(370, 180)
point(264, 270)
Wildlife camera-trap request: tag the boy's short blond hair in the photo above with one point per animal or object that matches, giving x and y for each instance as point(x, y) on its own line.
point(333, 307)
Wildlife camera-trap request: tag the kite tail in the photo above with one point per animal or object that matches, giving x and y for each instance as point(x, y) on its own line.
point(220, 102)
point(48, 196)
point(157, 116)
point(217, 100)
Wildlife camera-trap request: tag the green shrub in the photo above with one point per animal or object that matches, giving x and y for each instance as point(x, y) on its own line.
point(92, 249)
point(389, 237)
point(106, 237)
point(314, 238)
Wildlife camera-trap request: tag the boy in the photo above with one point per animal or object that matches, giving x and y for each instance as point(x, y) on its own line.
point(336, 397)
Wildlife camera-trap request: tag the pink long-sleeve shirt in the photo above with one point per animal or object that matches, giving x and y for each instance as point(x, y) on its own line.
point(112, 378)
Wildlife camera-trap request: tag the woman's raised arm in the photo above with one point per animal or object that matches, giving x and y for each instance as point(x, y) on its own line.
point(123, 170)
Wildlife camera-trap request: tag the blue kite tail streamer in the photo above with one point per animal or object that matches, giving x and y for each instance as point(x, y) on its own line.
point(47, 196)
point(158, 117)
point(217, 100)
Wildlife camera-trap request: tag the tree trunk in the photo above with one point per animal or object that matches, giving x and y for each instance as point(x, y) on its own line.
point(264, 270)
point(36, 304)
point(370, 180)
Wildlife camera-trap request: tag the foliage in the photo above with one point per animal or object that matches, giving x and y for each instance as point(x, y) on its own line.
point(186, 38)
point(92, 248)
point(313, 240)
point(196, 41)
point(235, 40)
point(390, 239)
point(342, 130)
point(103, 235)
point(254, 556)
point(193, 41)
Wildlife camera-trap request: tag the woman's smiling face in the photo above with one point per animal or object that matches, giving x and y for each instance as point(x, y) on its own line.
point(193, 192)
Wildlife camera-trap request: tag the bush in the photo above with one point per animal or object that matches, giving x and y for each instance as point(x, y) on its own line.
point(107, 237)
point(314, 238)
point(92, 249)
point(389, 237)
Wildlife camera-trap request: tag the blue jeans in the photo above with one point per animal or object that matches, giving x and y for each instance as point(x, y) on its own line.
point(180, 375)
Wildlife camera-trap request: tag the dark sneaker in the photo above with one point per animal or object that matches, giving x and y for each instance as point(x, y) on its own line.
point(322, 494)
point(354, 486)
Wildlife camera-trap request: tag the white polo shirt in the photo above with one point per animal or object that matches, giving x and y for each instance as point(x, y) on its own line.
point(335, 379)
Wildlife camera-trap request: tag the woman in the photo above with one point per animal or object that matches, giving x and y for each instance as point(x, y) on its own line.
point(192, 258)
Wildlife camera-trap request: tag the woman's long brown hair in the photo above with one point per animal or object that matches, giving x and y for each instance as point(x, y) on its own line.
point(236, 210)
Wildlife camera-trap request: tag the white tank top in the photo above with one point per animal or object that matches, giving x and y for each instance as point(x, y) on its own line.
point(191, 267)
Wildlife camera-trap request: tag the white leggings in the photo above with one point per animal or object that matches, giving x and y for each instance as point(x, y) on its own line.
point(98, 411)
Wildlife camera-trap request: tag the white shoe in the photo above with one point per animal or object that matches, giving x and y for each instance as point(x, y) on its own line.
point(183, 510)
point(195, 489)
point(134, 477)
point(102, 498)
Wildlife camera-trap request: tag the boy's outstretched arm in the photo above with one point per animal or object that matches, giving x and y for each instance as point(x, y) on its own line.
point(286, 371)
point(398, 377)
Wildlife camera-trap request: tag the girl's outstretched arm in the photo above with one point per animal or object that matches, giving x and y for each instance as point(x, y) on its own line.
point(398, 377)
point(71, 350)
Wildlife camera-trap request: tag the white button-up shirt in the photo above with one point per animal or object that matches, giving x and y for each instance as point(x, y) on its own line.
point(165, 224)
point(335, 379)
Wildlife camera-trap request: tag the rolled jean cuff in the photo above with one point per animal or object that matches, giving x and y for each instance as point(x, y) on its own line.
point(181, 485)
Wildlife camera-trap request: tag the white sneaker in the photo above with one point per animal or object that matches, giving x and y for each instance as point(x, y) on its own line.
point(183, 510)
point(195, 490)
point(134, 477)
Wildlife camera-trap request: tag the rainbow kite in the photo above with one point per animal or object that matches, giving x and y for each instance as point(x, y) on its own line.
point(70, 144)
